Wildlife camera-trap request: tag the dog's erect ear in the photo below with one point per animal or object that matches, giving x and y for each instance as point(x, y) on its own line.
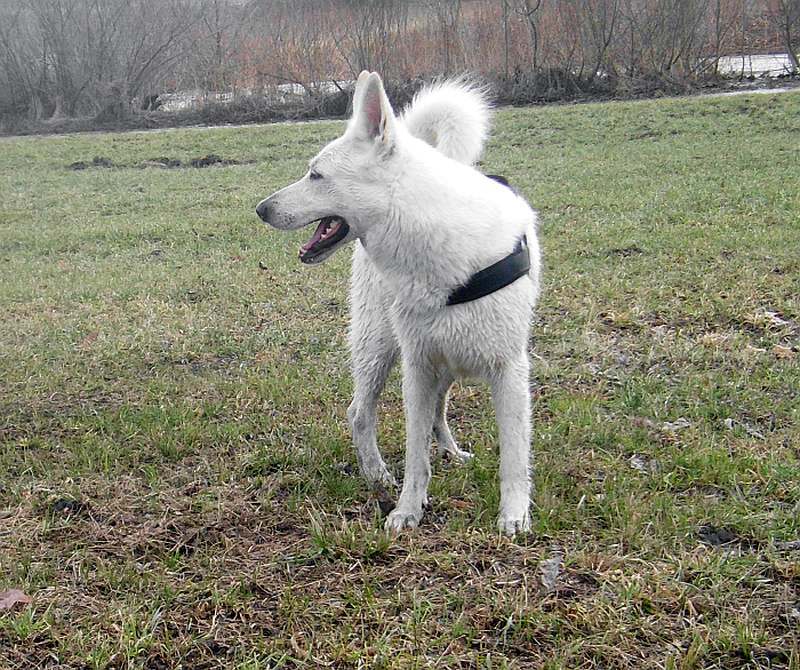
point(359, 89)
point(358, 92)
point(373, 117)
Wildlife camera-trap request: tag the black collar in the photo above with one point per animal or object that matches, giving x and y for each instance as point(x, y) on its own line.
point(498, 275)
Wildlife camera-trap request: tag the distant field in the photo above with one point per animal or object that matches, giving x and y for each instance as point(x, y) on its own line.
point(177, 486)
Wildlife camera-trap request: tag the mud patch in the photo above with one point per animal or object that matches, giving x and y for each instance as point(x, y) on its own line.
point(202, 363)
point(66, 507)
point(96, 162)
point(725, 537)
point(632, 250)
point(202, 162)
point(160, 162)
point(209, 160)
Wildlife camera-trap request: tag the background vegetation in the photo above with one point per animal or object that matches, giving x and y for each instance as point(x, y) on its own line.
point(108, 61)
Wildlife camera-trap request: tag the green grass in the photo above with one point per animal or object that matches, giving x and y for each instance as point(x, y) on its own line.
point(169, 366)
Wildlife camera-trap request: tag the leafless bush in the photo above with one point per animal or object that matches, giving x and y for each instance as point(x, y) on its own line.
point(107, 58)
point(785, 15)
point(76, 57)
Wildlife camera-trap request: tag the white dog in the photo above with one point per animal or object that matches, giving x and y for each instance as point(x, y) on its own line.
point(425, 222)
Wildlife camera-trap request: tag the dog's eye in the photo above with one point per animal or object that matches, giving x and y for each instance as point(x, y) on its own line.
point(314, 175)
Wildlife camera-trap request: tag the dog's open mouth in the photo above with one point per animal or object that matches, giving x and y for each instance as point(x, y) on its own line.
point(330, 231)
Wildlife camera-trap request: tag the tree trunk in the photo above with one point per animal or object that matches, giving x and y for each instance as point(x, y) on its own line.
point(58, 110)
point(791, 15)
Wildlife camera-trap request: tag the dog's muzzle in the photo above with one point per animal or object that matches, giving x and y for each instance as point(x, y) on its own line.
point(331, 231)
point(263, 210)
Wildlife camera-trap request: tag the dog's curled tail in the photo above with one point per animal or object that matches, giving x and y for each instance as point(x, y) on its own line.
point(453, 116)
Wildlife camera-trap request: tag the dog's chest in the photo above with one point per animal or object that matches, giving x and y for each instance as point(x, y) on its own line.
point(468, 343)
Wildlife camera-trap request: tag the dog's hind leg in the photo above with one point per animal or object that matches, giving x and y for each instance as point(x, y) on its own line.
point(445, 444)
point(373, 349)
point(511, 398)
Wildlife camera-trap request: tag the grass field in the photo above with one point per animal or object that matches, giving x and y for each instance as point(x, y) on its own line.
point(177, 486)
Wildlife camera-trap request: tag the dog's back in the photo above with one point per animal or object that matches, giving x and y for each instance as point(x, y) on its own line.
point(453, 116)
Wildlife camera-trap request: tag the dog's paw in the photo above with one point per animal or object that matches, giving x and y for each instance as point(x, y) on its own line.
point(387, 479)
point(514, 524)
point(379, 476)
point(447, 447)
point(455, 454)
point(400, 520)
point(462, 456)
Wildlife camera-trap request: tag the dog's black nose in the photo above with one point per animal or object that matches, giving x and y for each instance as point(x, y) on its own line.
point(263, 211)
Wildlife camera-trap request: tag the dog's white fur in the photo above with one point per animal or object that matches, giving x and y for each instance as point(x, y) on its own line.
point(425, 220)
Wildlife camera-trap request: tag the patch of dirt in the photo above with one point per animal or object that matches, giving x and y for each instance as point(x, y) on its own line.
point(97, 161)
point(161, 162)
point(717, 536)
point(64, 507)
point(202, 162)
point(384, 498)
point(724, 536)
point(632, 250)
point(210, 159)
point(201, 363)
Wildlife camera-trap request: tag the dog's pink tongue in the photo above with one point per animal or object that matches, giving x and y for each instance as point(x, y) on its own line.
point(315, 237)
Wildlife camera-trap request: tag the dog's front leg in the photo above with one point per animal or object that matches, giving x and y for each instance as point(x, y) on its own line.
point(371, 366)
point(419, 398)
point(373, 350)
point(511, 397)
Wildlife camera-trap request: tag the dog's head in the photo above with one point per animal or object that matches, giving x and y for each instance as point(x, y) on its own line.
point(347, 187)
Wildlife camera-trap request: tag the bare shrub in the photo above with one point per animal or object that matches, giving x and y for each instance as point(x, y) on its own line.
point(290, 58)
